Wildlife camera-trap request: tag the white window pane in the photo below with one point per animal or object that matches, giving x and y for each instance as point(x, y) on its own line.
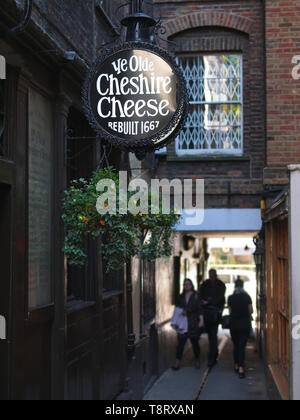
point(215, 121)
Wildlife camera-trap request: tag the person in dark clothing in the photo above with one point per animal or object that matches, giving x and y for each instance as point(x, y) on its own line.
point(241, 310)
point(212, 293)
point(191, 306)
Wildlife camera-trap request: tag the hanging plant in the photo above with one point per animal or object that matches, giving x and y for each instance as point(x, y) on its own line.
point(123, 235)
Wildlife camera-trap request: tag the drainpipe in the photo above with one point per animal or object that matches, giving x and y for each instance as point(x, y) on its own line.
point(24, 21)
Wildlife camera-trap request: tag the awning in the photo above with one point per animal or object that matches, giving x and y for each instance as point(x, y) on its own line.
point(221, 220)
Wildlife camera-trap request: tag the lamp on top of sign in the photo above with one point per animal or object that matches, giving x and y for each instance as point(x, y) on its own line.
point(135, 96)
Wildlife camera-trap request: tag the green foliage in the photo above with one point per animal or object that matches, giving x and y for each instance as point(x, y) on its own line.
point(122, 236)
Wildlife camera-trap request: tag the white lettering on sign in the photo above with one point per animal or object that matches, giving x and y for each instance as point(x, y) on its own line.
point(141, 108)
point(2, 67)
point(296, 69)
point(120, 65)
point(135, 95)
point(134, 64)
point(132, 128)
point(141, 85)
point(2, 328)
point(110, 87)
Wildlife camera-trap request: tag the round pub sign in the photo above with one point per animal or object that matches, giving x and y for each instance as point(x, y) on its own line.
point(135, 97)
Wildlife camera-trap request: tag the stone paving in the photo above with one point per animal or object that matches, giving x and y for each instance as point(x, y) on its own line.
point(221, 383)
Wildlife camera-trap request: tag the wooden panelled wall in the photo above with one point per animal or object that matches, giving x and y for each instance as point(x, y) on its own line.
point(278, 303)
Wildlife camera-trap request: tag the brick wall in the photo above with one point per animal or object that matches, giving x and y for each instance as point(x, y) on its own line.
point(76, 25)
point(229, 26)
point(283, 92)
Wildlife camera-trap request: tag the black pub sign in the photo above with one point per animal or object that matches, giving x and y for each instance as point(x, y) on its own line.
point(135, 97)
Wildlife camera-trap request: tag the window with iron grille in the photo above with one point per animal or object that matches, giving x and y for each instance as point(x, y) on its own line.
point(215, 121)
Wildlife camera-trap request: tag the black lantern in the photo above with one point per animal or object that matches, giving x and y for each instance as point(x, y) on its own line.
point(258, 255)
point(188, 242)
point(138, 24)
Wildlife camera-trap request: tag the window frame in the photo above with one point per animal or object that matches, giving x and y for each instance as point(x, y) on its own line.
point(216, 152)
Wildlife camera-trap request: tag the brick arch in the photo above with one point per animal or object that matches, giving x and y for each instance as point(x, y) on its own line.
point(208, 18)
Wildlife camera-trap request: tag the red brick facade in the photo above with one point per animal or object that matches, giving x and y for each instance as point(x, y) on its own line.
point(209, 18)
point(283, 88)
point(208, 27)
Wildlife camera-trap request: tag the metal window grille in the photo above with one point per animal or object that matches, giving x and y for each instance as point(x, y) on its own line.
point(215, 121)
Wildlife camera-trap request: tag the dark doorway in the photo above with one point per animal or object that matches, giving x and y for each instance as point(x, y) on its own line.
point(5, 285)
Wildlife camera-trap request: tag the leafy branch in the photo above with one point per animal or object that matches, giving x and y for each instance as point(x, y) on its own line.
point(123, 236)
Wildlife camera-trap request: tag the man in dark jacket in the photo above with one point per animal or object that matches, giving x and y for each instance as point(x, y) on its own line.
point(241, 310)
point(212, 293)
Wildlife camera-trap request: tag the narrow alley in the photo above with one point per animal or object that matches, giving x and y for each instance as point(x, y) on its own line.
point(220, 383)
point(149, 201)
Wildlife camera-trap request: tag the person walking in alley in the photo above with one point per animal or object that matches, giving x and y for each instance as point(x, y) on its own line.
point(241, 310)
point(191, 306)
point(212, 293)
